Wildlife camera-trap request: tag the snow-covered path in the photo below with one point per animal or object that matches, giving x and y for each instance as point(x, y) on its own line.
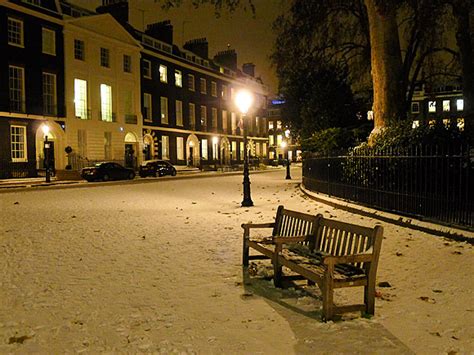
point(156, 268)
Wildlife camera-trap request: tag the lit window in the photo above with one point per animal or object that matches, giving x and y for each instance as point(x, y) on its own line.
point(415, 107)
point(233, 121)
point(178, 78)
point(106, 103)
point(203, 86)
point(215, 148)
point(460, 124)
point(127, 63)
point(191, 86)
point(271, 140)
point(224, 92)
point(446, 122)
point(80, 99)
point(279, 139)
point(214, 88)
point(146, 69)
point(264, 149)
point(79, 49)
point(241, 145)
point(49, 41)
point(105, 57)
point(415, 124)
point(204, 154)
point(203, 116)
point(165, 147)
point(180, 148)
point(164, 109)
point(163, 74)
point(431, 106)
point(214, 117)
point(15, 32)
point(18, 143)
point(446, 106)
point(49, 94)
point(234, 150)
point(278, 124)
point(224, 121)
point(460, 104)
point(147, 108)
point(192, 115)
point(16, 81)
point(179, 113)
point(270, 125)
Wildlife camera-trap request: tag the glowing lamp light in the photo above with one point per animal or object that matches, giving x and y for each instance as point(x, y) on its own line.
point(45, 129)
point(215, 140)
point(243, 100)
point(283, 144)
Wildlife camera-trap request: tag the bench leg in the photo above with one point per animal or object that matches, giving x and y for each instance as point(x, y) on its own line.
point(277, 268)
point(369, 297)
point(328, 296)
point(245, 251)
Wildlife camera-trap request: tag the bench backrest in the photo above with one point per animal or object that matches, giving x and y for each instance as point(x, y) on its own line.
point(341, 238)
point(293, 224)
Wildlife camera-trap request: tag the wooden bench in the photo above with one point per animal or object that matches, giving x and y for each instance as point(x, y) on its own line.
point(327, 252)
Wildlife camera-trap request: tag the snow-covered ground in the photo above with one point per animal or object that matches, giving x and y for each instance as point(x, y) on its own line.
point(156, 267)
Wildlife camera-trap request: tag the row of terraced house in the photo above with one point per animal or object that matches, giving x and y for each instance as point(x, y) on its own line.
point(99, 89)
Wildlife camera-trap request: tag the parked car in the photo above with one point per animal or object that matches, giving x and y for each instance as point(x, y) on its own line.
point(107, 171)
point(156, 168)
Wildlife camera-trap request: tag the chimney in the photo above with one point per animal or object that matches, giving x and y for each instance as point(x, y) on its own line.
point(198, 46)
point(117, 8)
point(227, 58)
point(162, 31)
point(249, 69)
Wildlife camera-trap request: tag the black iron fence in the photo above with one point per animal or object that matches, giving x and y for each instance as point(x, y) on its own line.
point(432, 183)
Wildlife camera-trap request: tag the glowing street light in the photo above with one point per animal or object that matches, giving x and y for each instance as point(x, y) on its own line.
point(284, 146)
point(244, 100)
point(45, 129)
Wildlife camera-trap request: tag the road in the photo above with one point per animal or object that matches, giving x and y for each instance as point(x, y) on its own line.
point(156, 267)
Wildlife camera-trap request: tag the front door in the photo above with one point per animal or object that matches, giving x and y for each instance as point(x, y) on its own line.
point(49, 157)
point(129, 156)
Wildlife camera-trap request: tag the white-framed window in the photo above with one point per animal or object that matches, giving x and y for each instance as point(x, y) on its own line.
point(49, 94)
point(15, 32)
point(48, 41)
point(106, 103)
point(80, 99)
point(16, 82)
point(164, 109)
point(147, 107)
point(179, 113)
point(203, 116)
point(233, 121)
point(79, 49)
point(204, 151)
point(108, 145)
point(460, 104)
point(127, 63)
point(146, 69)
point(233, 150)
point(105, 57)
point(178, 78)
point(279, 139)
point(215, 148)
point(165, 147)
point(191, 83)
point(446, 105)
point(224, 92)
point(163, 73)
point(18, 143)
point(214, 88)
point(264, 149)
point(415, 107)
point(180, 148)
point(271, 140)
point(214, 117)
point(431, 106)
point(203, 85)
point(224, 120)
point(257, 149)
point(192, 115)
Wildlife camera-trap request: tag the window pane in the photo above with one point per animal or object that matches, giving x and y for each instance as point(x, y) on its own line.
point(18, 143)
point(49, 94)
point(15, 32)
point(179, 113)
point(180, 148)
point(16, 86)
point(106, 102)
point(163, 74)
point(49, 41)
point(164, 109)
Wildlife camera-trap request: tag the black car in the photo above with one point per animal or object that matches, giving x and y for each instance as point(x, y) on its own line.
point(107, 171)
point(156, 168)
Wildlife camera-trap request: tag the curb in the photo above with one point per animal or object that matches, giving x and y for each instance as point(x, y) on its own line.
point(450, 232)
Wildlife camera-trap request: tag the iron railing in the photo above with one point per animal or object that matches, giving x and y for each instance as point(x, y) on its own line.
point(429, 182)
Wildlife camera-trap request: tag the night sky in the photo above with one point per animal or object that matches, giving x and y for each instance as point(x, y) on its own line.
point(250, 36)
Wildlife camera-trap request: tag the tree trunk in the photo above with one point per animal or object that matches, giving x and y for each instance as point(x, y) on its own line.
point(386, 59)
point(461, 12)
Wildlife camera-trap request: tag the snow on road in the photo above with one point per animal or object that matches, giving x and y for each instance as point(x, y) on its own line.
point(156, 267)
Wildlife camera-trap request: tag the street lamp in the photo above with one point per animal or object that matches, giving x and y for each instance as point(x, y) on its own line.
point(284, 146)
point(244, 100)
point(46, 152)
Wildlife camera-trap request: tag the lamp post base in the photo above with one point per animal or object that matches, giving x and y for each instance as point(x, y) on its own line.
point(247, 202)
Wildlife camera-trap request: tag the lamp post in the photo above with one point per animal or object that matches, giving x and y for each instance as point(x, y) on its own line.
point(284, 145)
point(244, 100)
point(46, 153)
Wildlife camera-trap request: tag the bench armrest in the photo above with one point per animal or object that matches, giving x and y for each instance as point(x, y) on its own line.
point(258, 225)
point(346, 259)
point(289, 240)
